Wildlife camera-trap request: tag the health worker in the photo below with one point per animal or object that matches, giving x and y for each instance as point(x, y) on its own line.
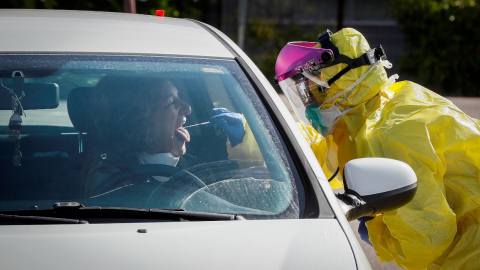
point(340, 88)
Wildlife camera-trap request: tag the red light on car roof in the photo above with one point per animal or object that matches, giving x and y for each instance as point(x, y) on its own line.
point(160, 13)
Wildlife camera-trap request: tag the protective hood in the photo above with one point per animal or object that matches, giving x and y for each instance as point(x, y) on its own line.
point(353, 44)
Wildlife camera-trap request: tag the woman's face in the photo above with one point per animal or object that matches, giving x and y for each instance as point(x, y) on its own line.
point(166, 133)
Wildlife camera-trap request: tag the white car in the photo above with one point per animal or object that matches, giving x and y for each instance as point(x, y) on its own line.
point(261, 203)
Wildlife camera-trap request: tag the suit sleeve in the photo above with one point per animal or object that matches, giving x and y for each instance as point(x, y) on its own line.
point(248, 149)
point(430, 134)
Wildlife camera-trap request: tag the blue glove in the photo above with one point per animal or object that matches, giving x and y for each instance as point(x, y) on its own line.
point(362, 229)
point(230, 122)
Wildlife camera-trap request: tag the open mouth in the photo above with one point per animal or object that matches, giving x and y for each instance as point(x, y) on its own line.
point(182, 134)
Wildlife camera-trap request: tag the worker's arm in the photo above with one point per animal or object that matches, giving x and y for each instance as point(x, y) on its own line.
point(241, 144)
point(325, 151)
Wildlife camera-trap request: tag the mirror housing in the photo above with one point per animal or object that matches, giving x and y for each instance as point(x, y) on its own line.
point(376, 185)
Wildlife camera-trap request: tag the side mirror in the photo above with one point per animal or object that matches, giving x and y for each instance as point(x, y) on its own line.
point(376, 185)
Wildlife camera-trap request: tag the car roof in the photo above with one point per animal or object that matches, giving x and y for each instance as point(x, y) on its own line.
point(65, 31)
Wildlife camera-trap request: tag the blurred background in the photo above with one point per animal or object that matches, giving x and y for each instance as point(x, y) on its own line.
point(435, 43)
point(432, 42)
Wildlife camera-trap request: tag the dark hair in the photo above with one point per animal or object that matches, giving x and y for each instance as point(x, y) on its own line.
point(122, 110)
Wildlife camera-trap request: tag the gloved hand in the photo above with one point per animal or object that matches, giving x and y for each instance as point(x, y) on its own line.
point(362, 229)
point(230, 122)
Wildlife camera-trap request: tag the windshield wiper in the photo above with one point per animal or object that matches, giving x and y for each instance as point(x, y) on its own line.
point(39, 220)
point(67, 210)
point(125, 212)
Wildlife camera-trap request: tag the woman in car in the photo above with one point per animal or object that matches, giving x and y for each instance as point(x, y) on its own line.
point(140, 121)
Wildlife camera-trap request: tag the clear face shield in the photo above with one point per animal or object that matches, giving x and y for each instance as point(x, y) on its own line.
point(298, 67)
point(302, 93)
point(302, 86)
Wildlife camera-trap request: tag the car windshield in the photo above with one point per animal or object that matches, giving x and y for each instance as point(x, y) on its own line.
point(135, 131)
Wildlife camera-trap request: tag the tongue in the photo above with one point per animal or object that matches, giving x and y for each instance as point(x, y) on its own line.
point(182, 134)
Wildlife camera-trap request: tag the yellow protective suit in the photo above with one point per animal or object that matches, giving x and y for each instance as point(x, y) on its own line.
point(439, 228)
point(247, 151)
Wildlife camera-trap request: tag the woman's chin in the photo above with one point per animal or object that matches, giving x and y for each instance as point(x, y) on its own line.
point(178, 148)
point(178, 153)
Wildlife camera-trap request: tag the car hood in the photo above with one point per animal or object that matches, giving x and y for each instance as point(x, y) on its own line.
point(268, 244)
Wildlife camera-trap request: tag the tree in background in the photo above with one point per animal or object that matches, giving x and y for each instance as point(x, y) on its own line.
point(270, 27)
point(98, 5)
point(442, 44)
point(173, 8)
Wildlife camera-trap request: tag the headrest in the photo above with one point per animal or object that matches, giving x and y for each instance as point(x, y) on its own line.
point(79, 105)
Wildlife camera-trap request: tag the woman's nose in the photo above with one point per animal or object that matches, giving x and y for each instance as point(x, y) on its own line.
point(185, 108)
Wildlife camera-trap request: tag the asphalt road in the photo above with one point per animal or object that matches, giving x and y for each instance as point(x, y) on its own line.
point(470, 106)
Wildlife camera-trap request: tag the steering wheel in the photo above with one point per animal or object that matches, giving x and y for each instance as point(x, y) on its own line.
point(173, 193)
point(180, 187)
point(131, 176)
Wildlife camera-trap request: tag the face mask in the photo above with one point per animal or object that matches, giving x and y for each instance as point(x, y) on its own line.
point(324, 121)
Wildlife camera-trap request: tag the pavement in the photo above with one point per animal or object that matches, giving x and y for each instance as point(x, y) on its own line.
point(470, 106)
